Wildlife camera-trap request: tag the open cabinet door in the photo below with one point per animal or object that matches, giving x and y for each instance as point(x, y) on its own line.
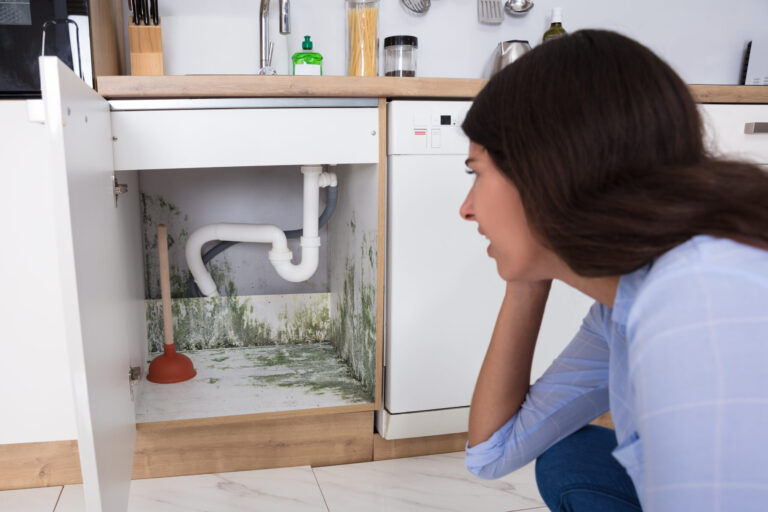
point(101, 284)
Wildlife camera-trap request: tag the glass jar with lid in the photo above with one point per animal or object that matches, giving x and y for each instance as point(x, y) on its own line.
point(400, 55)
point(362, 37)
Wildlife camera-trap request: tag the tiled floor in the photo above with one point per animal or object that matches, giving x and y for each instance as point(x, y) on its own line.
point(431, 483)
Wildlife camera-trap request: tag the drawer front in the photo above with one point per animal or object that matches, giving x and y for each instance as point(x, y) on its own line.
point(177, 139)
point(725, 126)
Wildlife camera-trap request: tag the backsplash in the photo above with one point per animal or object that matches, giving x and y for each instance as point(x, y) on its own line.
point(223, 37)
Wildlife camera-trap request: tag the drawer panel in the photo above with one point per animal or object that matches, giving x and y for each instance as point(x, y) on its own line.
point(175, 139)
point(725, 131)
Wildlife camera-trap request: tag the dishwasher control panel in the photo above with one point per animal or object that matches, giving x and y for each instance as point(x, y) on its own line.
point(426, 127)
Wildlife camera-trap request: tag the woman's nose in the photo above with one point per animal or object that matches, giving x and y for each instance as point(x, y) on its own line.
point(467, 210)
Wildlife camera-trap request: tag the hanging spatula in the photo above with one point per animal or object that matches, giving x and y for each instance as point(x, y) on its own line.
point(490, 12)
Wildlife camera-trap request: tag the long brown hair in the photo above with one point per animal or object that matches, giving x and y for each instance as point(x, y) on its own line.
point(605, 145)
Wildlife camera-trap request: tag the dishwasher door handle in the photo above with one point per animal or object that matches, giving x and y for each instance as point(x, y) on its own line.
point(751, 128)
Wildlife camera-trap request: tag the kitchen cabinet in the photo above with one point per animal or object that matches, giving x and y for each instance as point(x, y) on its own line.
point(99, 241)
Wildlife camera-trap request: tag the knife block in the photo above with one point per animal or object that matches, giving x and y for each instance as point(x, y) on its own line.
point(146, 47)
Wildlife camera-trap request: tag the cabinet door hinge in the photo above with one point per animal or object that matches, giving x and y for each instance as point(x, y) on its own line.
point(118, 188)
point(134, 376)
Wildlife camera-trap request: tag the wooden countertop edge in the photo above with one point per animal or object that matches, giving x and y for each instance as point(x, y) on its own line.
point(252, 86)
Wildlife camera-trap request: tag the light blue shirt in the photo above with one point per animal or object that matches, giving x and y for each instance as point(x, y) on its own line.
point(681, 361)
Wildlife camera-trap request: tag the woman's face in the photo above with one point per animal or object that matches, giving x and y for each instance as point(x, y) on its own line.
point(494, 203)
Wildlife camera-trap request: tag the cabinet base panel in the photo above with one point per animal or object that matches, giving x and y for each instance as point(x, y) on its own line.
point(239, 443)
point(384, 449)
point(26, 465)
point(209, 445)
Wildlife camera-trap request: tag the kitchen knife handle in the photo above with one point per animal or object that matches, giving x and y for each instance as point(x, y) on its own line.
point(136, 13)
point(146, 11)
point(751, 128)
point(155, 13)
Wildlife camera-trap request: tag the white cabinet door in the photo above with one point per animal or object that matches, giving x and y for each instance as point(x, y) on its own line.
point(100, 269)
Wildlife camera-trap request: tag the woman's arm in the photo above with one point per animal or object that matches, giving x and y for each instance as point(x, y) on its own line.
point(572, 392)
point(505, 375)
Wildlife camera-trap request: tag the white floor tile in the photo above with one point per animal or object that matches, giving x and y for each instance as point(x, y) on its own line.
point(434, 482)
point(269, 490)
point(42, 499)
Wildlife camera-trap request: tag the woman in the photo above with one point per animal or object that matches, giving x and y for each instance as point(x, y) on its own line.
point(590, 168)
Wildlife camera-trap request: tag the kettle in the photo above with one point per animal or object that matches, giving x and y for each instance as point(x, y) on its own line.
point(507, 52)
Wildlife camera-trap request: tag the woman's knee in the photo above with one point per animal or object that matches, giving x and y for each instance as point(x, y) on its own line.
point(581, 467)
point(568, 462)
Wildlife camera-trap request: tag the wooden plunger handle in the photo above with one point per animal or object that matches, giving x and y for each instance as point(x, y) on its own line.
point(165, 282)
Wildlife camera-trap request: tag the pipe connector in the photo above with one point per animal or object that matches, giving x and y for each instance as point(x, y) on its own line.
point(328, 179)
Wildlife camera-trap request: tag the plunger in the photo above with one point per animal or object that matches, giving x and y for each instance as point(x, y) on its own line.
point(170, 366)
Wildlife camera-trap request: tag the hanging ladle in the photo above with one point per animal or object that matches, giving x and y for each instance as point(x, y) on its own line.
point(518, 7)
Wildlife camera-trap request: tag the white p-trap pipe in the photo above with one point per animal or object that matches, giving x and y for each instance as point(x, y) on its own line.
point(280, 256)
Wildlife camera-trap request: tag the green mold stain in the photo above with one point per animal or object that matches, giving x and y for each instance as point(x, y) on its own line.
point(211, 380)
point(309, 323)
point(316, 369)
point(279, 358)
point(230, 322)
point(219, 359)
point(353, 330)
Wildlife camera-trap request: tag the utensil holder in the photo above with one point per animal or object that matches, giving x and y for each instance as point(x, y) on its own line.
point(146, 47)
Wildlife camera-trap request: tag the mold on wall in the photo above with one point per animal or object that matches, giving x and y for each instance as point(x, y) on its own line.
point(236, 322)
point(352, 274)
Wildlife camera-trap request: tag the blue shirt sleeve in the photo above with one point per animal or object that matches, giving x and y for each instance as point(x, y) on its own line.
point(572, 392)
point(698, 347)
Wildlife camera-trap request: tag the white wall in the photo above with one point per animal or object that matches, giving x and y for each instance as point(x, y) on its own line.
point(702, 39)
point(36, 401)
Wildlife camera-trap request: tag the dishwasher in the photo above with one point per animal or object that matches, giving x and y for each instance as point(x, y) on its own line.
point(443, 291)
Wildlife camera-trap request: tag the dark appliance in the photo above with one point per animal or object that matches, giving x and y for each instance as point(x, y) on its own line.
point(21, 36)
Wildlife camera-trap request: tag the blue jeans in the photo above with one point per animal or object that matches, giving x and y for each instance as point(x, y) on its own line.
point(580, 474)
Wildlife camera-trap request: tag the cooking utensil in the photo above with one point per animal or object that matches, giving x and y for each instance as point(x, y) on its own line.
point(507, 52)
point(155, 11)
point(518, 7)
point(416, 6)
point(490, 12)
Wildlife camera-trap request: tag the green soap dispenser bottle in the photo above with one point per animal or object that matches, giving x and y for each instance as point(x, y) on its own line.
point(307, 62)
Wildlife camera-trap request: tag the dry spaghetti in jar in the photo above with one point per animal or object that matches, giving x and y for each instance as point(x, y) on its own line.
point(362, 37)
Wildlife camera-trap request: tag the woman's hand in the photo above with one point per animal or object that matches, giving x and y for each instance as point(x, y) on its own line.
point(505, 375)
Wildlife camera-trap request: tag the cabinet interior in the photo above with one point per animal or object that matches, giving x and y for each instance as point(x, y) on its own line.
point(265, 344)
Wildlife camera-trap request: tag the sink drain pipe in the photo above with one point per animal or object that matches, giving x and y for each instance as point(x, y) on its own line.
point(280, 256)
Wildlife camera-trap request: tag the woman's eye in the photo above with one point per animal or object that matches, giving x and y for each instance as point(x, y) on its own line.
point(469, 171)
